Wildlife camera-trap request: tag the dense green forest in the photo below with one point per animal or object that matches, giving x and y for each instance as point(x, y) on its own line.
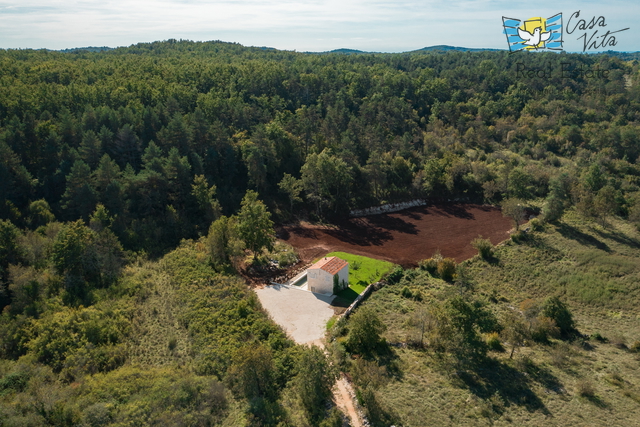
point(160, 133)
point(131, 178)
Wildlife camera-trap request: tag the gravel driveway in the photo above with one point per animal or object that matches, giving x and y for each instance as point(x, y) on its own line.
point(302, 314)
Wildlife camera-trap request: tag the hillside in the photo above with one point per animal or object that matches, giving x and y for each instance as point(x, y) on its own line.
point(589, 378)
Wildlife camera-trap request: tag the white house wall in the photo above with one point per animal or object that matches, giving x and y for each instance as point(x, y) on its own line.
point(343, 275)
point(320, 281)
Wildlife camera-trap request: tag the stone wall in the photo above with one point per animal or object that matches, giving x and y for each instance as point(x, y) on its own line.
point(390, 207)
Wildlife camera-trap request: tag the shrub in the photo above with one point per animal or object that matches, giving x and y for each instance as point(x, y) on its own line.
point(286, 258)
point(446, 269)
point(558, 311)
point(173, 343)
point(483, 246)
point(314, 381)
point(429, 265)
point(518, 237)
point(553, 209)
point(14, 382)
point(598, 337)
point(493, 342)
point(585, 388)
point(635, 347)
point(395, 276)
point(542, 328)
point(406, 292)
point(536, 224)
point(366, 330)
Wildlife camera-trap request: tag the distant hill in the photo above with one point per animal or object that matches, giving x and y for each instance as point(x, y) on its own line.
point(446, 48)
point(87, 49)
point(439, 48)
point(344, 51)
point(627, 56)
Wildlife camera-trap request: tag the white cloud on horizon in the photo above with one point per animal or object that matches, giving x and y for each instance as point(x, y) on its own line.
point(304, 26)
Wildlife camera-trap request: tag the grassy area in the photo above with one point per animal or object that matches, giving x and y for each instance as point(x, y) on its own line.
point(362, 272)
point(589, 382)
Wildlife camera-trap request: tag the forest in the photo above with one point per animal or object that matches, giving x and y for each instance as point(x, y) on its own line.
point(115, 164)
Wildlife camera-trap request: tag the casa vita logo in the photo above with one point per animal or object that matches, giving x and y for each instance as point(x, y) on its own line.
point(533, 33)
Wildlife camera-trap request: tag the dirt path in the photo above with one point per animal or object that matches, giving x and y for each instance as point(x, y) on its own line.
point(343, 396)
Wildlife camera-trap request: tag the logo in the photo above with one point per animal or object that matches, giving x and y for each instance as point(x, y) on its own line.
point(533, 33)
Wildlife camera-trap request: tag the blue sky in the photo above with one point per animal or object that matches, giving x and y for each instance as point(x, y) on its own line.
point(319, 25)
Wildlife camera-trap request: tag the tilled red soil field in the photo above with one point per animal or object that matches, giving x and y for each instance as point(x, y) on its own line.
point(404, 237)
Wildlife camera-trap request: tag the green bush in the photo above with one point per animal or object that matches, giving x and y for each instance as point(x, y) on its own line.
point(558, 311)
point(493, 342)
point(365, 332)
point(395, 276)
point(406, 292)
point(536, 224)
point(447, 269)
point(483, 246)
point(518, 237)
point(429, 265)
point(14, 382)
point(543, 328)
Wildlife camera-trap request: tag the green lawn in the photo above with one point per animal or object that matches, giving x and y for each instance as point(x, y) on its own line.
point(362, 272)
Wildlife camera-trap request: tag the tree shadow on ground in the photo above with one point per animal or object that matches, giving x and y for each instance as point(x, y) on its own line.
point(494, 376)
point(493, 260)
point(459, 211)
point(597, 401)
point(392, 223)
point(585, 239)
point(360, 233)
point(618, 237)
point(388, 358)
point(285, 233)
point(414, 213)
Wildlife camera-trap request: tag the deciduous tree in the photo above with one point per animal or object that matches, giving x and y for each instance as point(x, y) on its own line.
point(254, 224)
point(366, 330)
point(514, 209)
point(314, 382)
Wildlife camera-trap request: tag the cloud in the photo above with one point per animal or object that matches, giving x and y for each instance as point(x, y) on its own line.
point(302, 25)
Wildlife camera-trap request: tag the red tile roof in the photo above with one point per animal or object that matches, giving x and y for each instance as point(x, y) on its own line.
point(331, 265)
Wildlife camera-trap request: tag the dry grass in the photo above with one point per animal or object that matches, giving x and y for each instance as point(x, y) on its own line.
point(158, 338)
point(586, 383)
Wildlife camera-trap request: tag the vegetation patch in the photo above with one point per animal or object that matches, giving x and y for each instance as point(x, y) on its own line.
point(512, 348)
point(362, 272)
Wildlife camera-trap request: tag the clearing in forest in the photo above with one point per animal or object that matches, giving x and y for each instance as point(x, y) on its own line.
point(404, 237)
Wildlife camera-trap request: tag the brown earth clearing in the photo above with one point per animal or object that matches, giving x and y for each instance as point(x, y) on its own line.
point(404, 237)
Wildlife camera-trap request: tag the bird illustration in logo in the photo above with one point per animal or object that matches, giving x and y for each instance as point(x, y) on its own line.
point(534, 33)
point(535, 38)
